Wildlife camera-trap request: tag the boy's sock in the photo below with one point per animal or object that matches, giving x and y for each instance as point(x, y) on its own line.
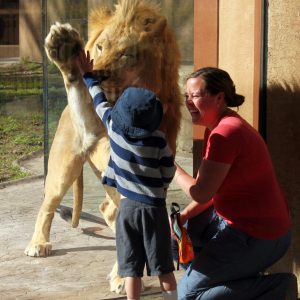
point(170, 295)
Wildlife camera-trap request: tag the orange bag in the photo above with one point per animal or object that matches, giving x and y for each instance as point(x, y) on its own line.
point(185, 247)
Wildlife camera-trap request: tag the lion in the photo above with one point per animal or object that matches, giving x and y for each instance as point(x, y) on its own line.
point(134, 36)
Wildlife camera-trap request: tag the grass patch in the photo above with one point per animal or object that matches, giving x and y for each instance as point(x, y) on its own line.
point(26, 78)
point(19, 136)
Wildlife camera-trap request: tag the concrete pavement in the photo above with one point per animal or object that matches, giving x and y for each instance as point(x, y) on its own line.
point(81, 258)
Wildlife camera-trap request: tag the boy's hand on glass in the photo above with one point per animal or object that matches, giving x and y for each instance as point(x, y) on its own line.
point(84, 62)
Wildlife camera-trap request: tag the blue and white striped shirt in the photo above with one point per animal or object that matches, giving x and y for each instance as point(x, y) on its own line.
point(140, 169)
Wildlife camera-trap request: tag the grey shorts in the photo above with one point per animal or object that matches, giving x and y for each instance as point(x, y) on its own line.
point(143, 238)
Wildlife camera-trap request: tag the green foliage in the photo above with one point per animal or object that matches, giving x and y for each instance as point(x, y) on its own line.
point(19, 136)
point(23, 133)
point(11, 125)
point(26, 78)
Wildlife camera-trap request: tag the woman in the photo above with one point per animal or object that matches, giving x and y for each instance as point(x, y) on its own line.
point(238, 219)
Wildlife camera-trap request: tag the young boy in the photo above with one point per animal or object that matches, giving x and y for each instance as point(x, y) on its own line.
point(141, 167)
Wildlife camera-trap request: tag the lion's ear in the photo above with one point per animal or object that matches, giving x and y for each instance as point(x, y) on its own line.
point(153, 27)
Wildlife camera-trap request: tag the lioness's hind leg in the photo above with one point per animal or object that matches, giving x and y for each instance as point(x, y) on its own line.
point(60, 177)
point(40, 243)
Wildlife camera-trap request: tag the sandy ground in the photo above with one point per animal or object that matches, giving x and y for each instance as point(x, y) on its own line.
point(82, 257)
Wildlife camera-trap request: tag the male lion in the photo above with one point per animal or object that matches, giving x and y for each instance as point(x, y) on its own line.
point(133, 37)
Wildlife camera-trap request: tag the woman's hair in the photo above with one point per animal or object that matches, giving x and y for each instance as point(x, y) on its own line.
point(217, 81)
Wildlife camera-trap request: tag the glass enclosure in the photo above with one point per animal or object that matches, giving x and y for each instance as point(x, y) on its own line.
point(179, 15)
point(32, 92)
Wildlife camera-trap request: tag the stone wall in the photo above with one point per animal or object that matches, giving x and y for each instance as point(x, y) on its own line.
point(283, 107)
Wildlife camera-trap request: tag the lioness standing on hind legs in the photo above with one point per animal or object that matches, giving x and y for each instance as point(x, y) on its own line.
point(141, 167)
point(134, 35)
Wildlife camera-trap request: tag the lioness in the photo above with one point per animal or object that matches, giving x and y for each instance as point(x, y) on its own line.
point(134, 36)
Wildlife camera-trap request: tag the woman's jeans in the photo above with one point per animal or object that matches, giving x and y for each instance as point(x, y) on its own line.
point(228, 264)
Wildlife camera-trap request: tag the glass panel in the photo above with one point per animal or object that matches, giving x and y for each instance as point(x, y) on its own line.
point(180, 17)
point(27, 79)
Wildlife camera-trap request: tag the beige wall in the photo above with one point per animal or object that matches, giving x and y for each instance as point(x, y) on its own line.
point(236, 48)
point(284, 41)
point(283, 108)
point(30, 43)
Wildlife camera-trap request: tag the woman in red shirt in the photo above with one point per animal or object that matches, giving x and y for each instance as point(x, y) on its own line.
point(238, 218)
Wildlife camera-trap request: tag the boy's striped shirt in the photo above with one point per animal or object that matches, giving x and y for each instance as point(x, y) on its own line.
point(140, 169)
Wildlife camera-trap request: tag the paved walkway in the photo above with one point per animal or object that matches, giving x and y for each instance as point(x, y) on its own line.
point(81, 257)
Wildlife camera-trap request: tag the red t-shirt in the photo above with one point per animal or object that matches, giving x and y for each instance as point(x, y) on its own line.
point(250, 198)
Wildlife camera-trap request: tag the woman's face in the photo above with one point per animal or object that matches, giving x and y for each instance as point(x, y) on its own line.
point(204, 108)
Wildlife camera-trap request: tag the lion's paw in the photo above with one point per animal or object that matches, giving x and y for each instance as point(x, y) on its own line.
point(38, 250)
point(62, 43)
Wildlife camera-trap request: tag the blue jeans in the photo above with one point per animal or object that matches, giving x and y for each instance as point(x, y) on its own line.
point(228, 263)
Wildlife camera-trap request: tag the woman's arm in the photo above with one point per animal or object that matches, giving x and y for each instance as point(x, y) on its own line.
point(202, 188)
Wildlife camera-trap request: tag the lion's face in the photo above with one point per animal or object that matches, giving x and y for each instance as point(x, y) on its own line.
point(115, 56)
point(130, 39)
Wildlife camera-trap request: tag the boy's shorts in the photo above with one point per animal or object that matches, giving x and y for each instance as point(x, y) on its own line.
point(143, 237)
